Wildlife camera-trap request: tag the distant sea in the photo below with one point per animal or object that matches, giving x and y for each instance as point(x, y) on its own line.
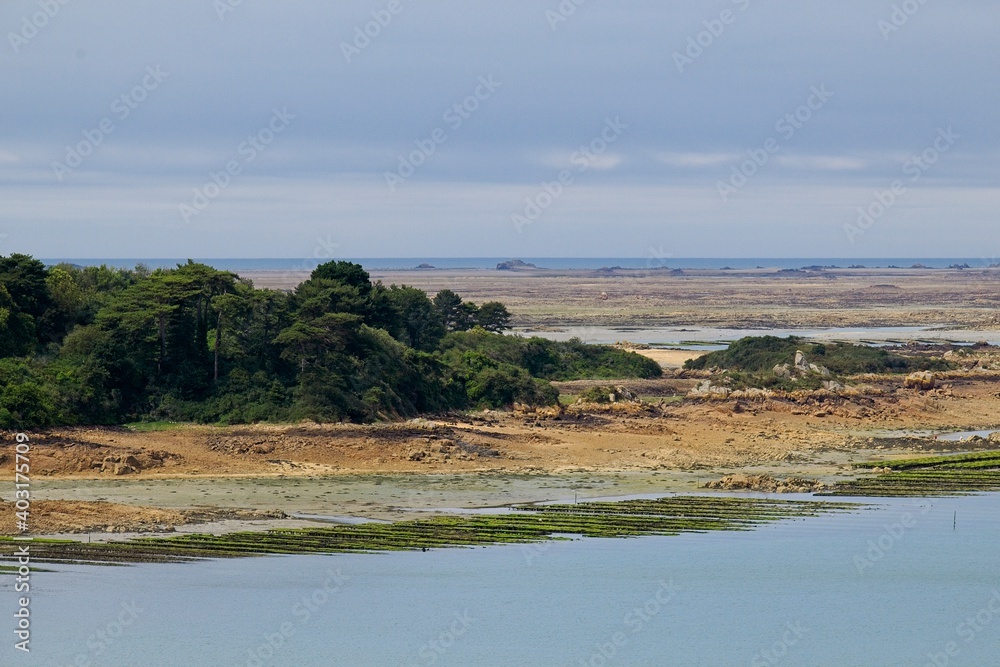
point(403, 263)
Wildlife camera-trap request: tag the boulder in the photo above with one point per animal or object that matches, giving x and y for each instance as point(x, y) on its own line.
point(822, 370)
point(706, 388)
point(800, 361)
point(922, 380)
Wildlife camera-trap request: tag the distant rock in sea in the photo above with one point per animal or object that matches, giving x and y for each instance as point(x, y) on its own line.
point(514, 265)
point(425, 266)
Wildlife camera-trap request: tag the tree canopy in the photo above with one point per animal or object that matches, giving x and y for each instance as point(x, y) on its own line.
point(100, 345)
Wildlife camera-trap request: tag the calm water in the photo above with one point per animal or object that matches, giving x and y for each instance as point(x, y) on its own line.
point(895, 585)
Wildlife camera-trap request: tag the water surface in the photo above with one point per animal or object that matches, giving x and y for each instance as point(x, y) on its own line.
point(885, 586)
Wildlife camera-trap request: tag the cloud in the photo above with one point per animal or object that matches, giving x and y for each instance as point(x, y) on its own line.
point(355, 119)
point(821, 162)
point(697, 160)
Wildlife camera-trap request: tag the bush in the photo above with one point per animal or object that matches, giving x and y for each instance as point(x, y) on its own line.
point(551, 360)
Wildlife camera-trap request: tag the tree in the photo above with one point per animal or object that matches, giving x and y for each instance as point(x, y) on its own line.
point(23, 278)
point(418, 326)
point(493, 316)
point(346, 273)
point(453, 314)
point(17, 329)
point(67, 303)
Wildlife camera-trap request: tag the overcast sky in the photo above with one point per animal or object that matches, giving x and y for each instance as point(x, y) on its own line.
point(727, 128)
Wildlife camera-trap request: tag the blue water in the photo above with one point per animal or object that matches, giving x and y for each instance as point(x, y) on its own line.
point(299, 264)
point(816, 591)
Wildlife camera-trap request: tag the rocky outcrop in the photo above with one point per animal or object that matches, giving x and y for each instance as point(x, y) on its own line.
point(922, 380)
point(766, 484)
point(705, 389)
point(800, 368)
point(514, 265)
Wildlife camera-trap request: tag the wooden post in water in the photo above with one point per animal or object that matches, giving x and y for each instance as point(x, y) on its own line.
point(954, 521)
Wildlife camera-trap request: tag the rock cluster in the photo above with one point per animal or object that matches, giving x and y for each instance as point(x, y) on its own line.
point(922, 380)
point(800, 368)
point(766, 484)
point(125, 464)
point(705, 389)
point(132, 463)
point(438, 450)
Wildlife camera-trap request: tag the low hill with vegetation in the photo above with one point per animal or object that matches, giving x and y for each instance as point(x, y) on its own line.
point(760, 354)
point(100, 345)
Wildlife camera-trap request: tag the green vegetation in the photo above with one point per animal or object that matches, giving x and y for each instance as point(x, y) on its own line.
point(750, 362)
point(152, 427)
point(928, 476)
point(551, 360)
point(761, 354)
point(596, 395)
point(666, 516)
point(98, 345)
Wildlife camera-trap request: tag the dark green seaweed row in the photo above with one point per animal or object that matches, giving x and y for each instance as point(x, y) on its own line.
point(989, 459)
point(667, 516)
point(931, 476)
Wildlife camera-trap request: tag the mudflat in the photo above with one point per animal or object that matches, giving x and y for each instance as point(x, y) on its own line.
point(742, 299)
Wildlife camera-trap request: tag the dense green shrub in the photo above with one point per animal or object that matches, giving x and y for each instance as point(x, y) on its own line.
point(552, 360)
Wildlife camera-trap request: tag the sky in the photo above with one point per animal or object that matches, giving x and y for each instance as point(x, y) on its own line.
point(527, 128)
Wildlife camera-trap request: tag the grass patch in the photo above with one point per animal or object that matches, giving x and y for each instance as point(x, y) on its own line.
point(152, 427)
